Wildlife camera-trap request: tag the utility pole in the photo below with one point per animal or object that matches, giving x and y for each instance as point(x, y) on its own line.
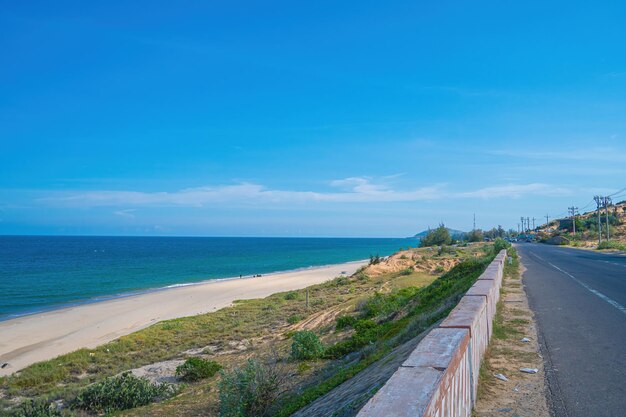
point(547, 220)
point(528, 223)
point(474, 221)
point(533, 223)
point(522, 219)
point(518, 228)
point(607, 202)
point(572, 211)
point(598, 201)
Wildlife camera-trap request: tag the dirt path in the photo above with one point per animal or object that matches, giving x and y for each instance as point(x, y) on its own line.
point(524, 394)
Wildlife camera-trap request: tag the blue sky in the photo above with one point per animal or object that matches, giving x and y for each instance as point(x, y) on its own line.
point(306, 118)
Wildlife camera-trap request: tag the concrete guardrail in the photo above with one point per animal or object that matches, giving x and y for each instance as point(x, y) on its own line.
point(440, 377)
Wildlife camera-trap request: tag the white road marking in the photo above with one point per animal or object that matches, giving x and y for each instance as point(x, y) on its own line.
point(591, 290)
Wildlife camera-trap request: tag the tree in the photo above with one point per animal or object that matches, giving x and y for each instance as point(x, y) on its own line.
point(475, 235)
point(436, 237)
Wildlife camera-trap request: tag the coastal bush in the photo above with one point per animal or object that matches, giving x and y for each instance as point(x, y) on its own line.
point(250, 391)
point(195, 369)
point(344, 322)
point(120, 393)
point(375, 260)
point(292, 295)
point(383, 304)
point(306, 345)
point(39, 408)
point(406, 271)
point(339, 281)
point(444, 249)
point(361, 276)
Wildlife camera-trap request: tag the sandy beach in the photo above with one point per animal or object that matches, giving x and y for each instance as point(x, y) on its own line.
point(29, 339)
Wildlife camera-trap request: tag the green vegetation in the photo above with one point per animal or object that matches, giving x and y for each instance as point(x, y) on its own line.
point(475, 235)
point(385, 315)
point(292, 295)
point(195, 369)
point(611, 244)
point(435, 237)
point(39, 408)
point(294, 319)
point(500, 244)
point(250, 391)
point(443, 250)
point(120, 393)
point(375, 260)
point(306, 345)
point(343, 322)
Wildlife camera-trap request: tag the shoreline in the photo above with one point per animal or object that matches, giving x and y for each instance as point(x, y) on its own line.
point(104, 298)
point(36, 337)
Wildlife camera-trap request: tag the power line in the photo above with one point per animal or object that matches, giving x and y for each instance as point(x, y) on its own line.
point(616, 192)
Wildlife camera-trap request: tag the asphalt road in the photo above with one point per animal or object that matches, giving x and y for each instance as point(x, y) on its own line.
point(579, 299)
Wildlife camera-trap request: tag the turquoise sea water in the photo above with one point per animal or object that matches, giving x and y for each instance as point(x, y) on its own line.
point(39, 273)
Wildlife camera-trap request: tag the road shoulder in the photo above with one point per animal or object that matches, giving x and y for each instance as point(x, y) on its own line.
point(522, 394)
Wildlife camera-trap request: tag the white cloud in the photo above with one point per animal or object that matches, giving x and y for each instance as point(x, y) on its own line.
point(348, 190)
point(607, 154)
point(127, 213)
point(516, 191)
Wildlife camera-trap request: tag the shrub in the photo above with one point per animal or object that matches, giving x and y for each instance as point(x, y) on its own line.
point(38, 408)
point(120, 393)
point(443, 249)
point(306, 345)
point(500, 244)
point(249, 391)
point(195, 369)
point(611, 244)
point(294, 319)
point(374, 260)
point(345, 321)
point(292, 295)
point(379, 304)
point(341, 281)
point(361, 276)
point(406, 271)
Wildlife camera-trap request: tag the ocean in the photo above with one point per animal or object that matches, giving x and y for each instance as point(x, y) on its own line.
point(40, 273)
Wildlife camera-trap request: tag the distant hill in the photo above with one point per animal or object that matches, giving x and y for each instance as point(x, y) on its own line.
point(455, 234)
